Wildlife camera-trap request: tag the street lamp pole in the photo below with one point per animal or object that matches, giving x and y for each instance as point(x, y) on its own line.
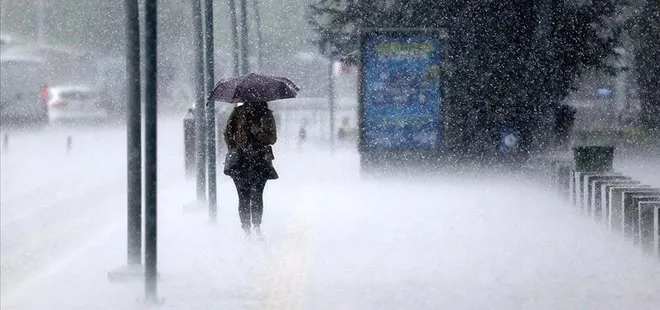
point(245, 65)
point(210, 113)
point(257, 17)
point(150, 160)
point(200, 128)
point(331, 102)
point(234, 37)
point(134, 134)
point(133, 268)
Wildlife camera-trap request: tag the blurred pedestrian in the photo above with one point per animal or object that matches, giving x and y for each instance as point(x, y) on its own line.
point(302, 132)
point(249, 134)
point(342, 133)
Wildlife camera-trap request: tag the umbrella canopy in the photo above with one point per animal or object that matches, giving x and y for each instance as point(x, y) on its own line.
point(254, 88)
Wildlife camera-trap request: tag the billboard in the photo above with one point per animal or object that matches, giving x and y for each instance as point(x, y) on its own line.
point(401, 90)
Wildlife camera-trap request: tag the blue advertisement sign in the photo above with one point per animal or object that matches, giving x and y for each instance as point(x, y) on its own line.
point(401, 90)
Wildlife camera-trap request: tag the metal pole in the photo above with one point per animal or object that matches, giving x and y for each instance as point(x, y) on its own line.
point(133, 134)
point(150, 175)
point(69, 145)
point(234, 37)
point(189, 143)
point(245, 65)
point(210, 113)
point(5, 143)
point(200, 128)
point(331, 101)
point(257, 18)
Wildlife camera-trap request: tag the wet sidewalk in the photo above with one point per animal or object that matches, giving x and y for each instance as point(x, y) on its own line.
point(334, 241)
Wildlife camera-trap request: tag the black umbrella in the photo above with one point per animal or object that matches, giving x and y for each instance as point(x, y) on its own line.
point(254, 88)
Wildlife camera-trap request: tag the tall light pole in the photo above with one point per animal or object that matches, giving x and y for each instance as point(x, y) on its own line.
point(150, 158)
point(134, 134)
point(234, 38)
point(245, 65)
point(331, 101)
point(133, 268)
point(210, 113)
point(200, 128)
point(325, 50)
point(257, 17)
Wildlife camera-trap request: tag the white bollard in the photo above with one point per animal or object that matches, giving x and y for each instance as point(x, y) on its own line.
point(606, 200)
point(597, 194)
point(587, 188)
point(580, 187)
point(649, 224)
point(631, 209)
point(617, 207)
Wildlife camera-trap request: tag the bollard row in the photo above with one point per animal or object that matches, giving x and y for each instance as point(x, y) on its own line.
point(621, 204)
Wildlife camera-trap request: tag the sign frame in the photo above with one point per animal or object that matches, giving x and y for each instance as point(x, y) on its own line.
point(441, 133)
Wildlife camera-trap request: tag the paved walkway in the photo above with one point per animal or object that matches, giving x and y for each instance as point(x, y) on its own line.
point(333, 241)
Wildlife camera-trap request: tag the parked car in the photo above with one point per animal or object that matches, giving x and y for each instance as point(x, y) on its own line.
point(73, 104)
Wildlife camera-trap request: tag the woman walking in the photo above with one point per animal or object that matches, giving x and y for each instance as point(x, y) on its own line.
point(249, 134)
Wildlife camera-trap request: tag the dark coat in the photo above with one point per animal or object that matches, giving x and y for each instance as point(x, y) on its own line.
point(251, 130)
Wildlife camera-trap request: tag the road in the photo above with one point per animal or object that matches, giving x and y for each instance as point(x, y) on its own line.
point(55, 196)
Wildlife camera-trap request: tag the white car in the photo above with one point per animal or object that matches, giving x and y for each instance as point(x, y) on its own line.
point(73, 104)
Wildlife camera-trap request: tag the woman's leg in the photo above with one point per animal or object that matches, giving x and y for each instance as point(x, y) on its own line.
point(257, 199)
point(243, 189)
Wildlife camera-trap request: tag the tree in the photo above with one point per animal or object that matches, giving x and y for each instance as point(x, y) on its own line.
point(646, 34)
point(512, 60)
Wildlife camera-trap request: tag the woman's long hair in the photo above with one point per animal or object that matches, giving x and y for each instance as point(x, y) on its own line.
point(237, 133)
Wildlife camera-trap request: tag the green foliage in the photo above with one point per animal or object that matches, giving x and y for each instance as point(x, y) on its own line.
point(645, 29)
point(512, 60)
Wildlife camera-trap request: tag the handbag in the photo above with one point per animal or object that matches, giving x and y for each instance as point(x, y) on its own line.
point(233, 161)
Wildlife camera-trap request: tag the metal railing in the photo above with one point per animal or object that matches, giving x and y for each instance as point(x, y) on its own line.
point(622, 205)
